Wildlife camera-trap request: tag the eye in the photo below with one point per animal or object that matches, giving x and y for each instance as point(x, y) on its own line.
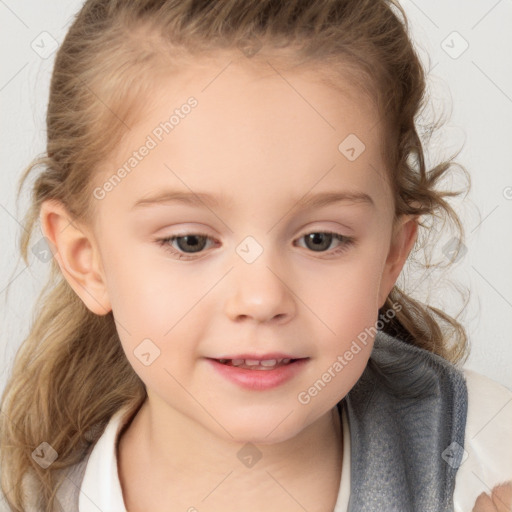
point(195, 241)
point(192, 243)
point(320, 240)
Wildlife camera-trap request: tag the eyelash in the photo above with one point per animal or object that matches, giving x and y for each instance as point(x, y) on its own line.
point(346, 242)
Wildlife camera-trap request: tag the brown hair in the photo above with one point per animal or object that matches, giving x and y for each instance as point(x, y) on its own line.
point(70, 374)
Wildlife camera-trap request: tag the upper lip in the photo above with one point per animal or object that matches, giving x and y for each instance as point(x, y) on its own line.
point(260, 357)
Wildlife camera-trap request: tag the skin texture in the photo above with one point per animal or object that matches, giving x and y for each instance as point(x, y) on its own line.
point(500, 500)
point(254, 139)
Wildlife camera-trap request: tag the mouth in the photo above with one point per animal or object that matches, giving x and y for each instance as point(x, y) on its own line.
point(259, 372)
point(259, 364)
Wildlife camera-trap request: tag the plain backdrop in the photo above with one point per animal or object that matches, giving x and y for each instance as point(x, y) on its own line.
point(465, 45)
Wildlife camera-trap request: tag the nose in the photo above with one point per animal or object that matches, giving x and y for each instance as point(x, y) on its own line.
point(257, 292)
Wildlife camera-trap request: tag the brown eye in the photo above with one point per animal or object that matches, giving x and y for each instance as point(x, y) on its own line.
point(186, 244)
point(320, 241)
point(195, 243)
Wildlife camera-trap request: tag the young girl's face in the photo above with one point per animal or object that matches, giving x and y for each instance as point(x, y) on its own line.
point(246, 146)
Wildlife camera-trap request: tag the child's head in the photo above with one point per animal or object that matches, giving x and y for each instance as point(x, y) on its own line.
point(265, 106)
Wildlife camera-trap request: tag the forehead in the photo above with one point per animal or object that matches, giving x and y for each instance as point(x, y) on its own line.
point(254, 130)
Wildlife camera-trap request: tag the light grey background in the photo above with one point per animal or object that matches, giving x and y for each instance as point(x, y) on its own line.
point(474, 85)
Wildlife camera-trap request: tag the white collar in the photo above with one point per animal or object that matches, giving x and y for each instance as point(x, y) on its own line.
point(101, 488)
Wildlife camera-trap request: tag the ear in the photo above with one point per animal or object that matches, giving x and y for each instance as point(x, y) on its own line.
point(402, 241)
point(76, 254)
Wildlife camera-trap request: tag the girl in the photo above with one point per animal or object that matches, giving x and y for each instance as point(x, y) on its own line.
point(230, 192)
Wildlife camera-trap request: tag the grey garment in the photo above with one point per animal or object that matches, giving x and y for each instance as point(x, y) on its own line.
point(407, 419)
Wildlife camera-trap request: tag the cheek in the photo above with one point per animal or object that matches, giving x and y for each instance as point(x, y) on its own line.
point(347, 298)
point(153, 300)
point(347, 305)
point(344, 343)
point(147, 292)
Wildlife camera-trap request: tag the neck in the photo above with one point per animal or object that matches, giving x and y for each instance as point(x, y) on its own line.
point(192, 465)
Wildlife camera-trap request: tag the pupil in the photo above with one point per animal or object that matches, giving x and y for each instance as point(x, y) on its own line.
point(316, 237)
point(191, 240)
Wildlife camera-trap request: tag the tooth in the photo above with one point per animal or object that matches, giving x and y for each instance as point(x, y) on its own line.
point(237, 362)
point(252, 362)
point(269, 362)
point(286, 361)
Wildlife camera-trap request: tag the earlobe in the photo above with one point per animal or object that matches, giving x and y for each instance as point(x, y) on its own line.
point(76, 255)
point(402, 242)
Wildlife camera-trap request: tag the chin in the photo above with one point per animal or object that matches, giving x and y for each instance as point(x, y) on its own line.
point(261, 431)
point(261, 436)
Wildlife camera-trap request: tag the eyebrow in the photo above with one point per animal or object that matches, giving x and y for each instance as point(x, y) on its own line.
point(202, 199)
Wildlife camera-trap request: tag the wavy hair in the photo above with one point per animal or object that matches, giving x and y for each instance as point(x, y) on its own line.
point(70, 374)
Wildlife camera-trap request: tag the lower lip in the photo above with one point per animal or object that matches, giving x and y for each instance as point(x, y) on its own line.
point(259, 380)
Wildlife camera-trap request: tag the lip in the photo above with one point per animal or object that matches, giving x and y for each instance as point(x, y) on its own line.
point(260, 357)
point(259, 380)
